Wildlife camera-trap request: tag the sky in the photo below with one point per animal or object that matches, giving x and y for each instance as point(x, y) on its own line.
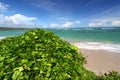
point(59, 13)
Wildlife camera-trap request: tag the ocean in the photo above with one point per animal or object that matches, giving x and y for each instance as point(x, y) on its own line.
point(87, 38)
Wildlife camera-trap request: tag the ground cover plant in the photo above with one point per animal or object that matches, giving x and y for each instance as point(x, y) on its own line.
point(42, 55)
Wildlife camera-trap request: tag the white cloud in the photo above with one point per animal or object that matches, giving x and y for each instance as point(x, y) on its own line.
point(77, 22)
point(70, 24)
point(3, 7)
point(115, 23)
point(105, 22)
point(53, 25)
point(17, 20)
point(67, 24)
point(97, 24)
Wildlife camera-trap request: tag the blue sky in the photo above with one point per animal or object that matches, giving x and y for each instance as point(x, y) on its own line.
point(59, 13)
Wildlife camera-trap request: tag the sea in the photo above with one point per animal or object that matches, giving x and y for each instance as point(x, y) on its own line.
point(101, 38)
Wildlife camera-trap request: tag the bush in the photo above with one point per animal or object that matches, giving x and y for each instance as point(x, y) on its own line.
point(38, 55)
point(112, 75)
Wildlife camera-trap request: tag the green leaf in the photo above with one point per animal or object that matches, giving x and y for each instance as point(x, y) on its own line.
point(16, 75)
point(1, 64)
point(19, 68)
point(36, 68)
point(2, 58)
point(24, 61)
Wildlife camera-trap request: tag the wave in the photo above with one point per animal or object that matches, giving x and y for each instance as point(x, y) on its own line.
point(83, 29)
point(110, 27)
point(98, 46)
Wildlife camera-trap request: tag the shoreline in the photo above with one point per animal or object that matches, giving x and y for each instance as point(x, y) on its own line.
point(110, 47)
point(101, 61)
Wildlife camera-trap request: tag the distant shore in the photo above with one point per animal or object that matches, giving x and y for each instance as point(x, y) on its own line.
point(13, 28)
point(101, 61)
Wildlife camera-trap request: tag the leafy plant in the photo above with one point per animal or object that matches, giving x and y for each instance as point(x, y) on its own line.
point(112, 75)
point(39, 54)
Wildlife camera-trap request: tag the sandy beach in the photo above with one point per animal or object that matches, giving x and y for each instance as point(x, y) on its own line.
point(101, 61)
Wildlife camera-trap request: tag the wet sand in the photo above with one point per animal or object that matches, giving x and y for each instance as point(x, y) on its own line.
point(101, 61)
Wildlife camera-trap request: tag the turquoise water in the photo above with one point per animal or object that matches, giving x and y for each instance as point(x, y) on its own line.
point(90, 34)
point(90, 38)
point(8, 33)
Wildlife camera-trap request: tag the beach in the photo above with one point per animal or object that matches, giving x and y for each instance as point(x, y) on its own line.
point(101, 61)
point(100, 46)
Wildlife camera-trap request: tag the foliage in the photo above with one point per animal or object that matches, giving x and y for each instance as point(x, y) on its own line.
point(41, 55)
point(112, 75)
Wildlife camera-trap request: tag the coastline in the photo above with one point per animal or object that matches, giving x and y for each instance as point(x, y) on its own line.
point(101, 61)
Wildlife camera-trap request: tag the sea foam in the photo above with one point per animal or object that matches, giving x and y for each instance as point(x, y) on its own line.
point(98, 46)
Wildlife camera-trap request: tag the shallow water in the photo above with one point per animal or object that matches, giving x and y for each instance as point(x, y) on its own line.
point(86, 38)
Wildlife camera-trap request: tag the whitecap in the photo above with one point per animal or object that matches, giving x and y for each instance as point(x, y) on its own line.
point(98, 46)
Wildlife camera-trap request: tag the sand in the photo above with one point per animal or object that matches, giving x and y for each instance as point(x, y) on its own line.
point(101, 61)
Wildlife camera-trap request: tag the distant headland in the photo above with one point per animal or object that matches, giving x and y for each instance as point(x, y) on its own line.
point(13, 28)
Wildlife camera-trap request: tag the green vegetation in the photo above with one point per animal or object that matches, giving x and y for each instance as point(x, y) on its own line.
point(111, 76)
point(42, 55)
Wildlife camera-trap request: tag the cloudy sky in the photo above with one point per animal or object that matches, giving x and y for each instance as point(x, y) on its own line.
point(59, 13)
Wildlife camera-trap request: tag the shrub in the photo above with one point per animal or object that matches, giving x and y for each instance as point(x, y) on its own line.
point(112, 75)
point(38, 55)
